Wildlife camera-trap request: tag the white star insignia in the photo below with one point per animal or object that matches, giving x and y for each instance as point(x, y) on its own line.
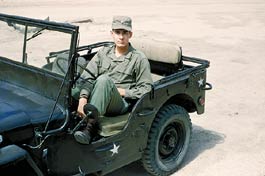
point(200, 82)
point(115, 149)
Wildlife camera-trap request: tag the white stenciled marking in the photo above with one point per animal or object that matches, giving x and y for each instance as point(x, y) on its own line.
point(200, 82)
point(115, 149)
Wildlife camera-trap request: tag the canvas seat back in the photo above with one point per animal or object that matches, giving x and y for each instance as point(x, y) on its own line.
point(158, 51)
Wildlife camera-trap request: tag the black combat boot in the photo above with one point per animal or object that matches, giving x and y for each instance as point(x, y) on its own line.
point(84, 136)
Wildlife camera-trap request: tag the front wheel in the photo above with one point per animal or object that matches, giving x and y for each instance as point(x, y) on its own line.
point(168, 141)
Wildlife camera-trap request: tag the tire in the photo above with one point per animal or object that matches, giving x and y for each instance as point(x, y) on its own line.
point(168, 141)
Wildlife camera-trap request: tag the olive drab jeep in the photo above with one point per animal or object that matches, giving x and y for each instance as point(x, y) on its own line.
point(40, 68)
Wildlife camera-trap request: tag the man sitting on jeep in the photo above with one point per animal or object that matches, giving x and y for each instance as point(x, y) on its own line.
point(117, 73)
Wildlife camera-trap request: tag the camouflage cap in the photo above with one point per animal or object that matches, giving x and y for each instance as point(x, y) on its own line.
point(122, 22)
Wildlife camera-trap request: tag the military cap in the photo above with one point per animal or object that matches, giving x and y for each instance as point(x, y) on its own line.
point(122, 22)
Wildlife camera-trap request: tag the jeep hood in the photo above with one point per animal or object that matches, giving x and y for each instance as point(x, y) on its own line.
point(20, 107)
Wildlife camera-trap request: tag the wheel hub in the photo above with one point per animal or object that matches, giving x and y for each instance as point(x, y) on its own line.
point(168, 142)
point(172, 142)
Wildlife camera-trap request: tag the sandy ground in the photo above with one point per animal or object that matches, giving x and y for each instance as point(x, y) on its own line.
point(229, 138)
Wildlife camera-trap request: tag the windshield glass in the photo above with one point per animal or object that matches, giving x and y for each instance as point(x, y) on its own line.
point(33, 45)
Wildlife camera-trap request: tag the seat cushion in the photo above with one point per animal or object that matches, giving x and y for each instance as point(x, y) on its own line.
point(113, 125)
point(158, 50)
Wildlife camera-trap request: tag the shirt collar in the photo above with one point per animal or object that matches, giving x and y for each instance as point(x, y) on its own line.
point(121, 58)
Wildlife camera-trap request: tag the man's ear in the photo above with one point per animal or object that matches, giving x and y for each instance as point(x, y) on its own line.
point(131, 34)
point(112, 34)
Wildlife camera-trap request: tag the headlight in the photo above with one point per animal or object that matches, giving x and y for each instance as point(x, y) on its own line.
point(1, 139)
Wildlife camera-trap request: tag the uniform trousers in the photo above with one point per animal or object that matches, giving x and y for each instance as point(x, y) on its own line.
point(106, 98)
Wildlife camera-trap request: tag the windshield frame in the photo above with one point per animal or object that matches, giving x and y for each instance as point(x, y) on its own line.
point(53, 26)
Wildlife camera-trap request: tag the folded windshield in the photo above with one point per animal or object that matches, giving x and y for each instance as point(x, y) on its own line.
point(32, 45)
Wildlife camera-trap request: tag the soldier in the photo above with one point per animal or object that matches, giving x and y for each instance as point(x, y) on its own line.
point(118, 73)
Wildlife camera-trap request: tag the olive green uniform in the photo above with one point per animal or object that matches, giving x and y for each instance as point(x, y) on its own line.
point(108, 72)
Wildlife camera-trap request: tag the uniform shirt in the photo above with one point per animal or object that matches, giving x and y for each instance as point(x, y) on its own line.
point(130, 71)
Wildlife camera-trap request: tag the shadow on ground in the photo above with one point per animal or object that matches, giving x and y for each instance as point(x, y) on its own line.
point(202, 140)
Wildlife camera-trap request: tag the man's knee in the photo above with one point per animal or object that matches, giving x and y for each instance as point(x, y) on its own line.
point(103, 80)
point(103, 84)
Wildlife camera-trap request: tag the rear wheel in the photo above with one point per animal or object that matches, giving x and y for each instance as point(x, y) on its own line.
point(168, 141)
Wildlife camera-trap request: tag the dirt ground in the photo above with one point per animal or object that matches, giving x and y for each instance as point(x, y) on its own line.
point(229, 138)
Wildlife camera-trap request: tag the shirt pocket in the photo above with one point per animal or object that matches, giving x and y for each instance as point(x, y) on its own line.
point(104, 67)
point(124, 75)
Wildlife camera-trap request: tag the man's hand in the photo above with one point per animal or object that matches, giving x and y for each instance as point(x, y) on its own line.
point(121, 91)
point(80, 109)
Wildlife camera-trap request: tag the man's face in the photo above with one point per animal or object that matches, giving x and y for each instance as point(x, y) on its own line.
point(121, 37)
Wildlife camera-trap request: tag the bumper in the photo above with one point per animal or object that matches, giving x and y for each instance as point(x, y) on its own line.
point(13, 153)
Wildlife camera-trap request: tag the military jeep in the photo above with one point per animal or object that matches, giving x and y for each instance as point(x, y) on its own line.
point(40, 68)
